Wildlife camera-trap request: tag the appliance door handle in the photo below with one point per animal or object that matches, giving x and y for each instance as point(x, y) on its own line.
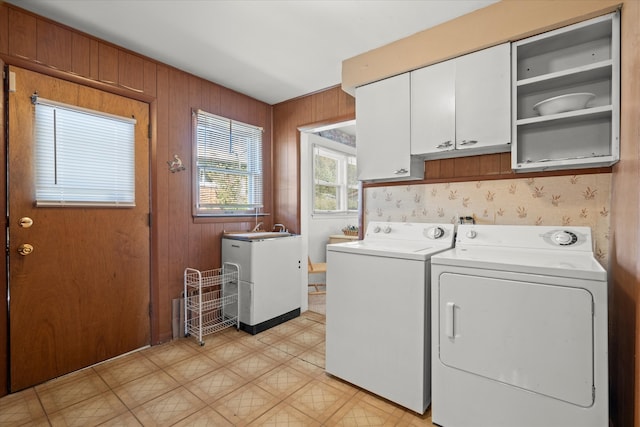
point(449, 319)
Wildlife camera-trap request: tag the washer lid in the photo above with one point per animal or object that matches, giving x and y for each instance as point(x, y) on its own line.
point(420, 251)
point(579, 265)
point(406, 240)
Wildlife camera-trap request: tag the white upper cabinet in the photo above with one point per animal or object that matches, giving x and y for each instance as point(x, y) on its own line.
point(555, 73)
point(383, 123)
point(462, 106)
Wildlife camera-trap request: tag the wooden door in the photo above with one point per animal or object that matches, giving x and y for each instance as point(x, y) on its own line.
point(82, 295)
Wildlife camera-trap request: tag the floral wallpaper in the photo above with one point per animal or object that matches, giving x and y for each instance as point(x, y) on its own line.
point(576, 200)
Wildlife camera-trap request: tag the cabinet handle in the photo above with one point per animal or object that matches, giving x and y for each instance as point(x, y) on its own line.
point(400, 171)
point(445, 144)
point(468, 142)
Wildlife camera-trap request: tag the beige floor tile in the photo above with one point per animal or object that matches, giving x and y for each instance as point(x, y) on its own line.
point(245, 404)
point(411, 419)
point(20, 408)
point(289, 347)
point(279, 353)
point(227, 353)
point(93, 411)
point(282, 381)
point(215, 385)
point(284, 415)
point(144, 389)
point(212, 340)
point(192, 368)
point(313, 357)
point(381, 403)
point(252, 365)
point(123, 420)
point(206, 417)
point(57, 395)
point(286, 329)
point(357, 412)
point(306, 338)
point(171, 353)
point(169, 408)
point(318, 400)
point(305, 367)
point(122, 370)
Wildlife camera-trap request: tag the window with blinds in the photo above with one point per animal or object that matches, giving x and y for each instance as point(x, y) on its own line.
point(83, 157)
point(228, 172)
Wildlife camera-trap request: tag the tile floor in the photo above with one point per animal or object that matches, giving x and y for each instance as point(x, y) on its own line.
point(275, 378)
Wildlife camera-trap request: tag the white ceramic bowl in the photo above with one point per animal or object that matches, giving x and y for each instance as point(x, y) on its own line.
point(563, 103)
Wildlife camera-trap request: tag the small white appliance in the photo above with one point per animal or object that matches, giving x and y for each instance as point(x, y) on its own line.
point(377, 310)
point(270, 277)
point(519, 329)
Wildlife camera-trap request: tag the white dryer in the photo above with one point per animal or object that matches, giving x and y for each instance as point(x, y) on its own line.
point(519, 329)
point(378, 334)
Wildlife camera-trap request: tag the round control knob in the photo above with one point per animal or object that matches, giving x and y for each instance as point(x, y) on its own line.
point(471, 234)
point(376, 229)
point(435, 232)
point(564, 238)
point(387, 229)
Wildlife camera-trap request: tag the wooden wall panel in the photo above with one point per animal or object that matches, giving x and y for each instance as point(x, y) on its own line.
point(130, 71)
point(149, 76)
point(330, 106)
point(624, 274)
point(22, 34)
point(54, 45)
point(4, 314)
point(80, 55)
point(107, 63)
point(4, 30)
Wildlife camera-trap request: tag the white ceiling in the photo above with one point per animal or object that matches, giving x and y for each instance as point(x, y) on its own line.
point(271, 50)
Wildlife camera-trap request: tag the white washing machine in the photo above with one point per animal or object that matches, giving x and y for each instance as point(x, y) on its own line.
point(377, 310)
point(519, 329)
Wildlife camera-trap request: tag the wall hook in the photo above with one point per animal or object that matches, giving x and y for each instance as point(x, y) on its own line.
point(175, 165)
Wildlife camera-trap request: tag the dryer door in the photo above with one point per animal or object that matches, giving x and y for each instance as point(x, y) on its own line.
point(533, 336)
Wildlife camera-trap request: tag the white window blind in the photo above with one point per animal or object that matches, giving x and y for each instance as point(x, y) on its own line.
point(83, 157)
point(228, 172)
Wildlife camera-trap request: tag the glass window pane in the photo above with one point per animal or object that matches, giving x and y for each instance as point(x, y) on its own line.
point(326, 198)
point(83, 157)
point(228, 166)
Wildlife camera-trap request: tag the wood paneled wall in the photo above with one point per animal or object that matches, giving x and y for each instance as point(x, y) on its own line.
point(325, 107)
point(178, 241)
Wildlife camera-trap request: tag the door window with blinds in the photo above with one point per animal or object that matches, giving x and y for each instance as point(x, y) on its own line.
point(335, 183)
point(228, 166)
point(83, 157)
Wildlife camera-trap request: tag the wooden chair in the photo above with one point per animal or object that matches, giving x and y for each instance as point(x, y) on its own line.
point(315, 268)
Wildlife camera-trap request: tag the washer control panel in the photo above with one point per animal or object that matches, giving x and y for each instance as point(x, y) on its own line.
point(409, 231)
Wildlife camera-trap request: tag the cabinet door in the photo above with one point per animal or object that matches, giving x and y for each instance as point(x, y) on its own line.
point(433, 104)
point(483, 98)
point(383, 129)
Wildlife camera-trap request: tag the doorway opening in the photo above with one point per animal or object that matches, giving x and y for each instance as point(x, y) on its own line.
point(320, 216)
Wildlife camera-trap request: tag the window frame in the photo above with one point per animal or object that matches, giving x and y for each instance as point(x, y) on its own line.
point(254, 169)
point(342, 155)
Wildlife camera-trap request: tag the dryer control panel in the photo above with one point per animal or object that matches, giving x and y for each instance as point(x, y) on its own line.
point(525, 237)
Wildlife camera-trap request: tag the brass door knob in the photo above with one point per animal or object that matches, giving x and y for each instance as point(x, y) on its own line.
point(25, 249)
point(25, 222)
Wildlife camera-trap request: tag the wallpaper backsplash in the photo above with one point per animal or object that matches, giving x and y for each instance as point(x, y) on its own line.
point(577, 200)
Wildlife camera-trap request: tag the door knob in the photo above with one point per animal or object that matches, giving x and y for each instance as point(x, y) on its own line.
point(25, 249)
point(25, 222)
